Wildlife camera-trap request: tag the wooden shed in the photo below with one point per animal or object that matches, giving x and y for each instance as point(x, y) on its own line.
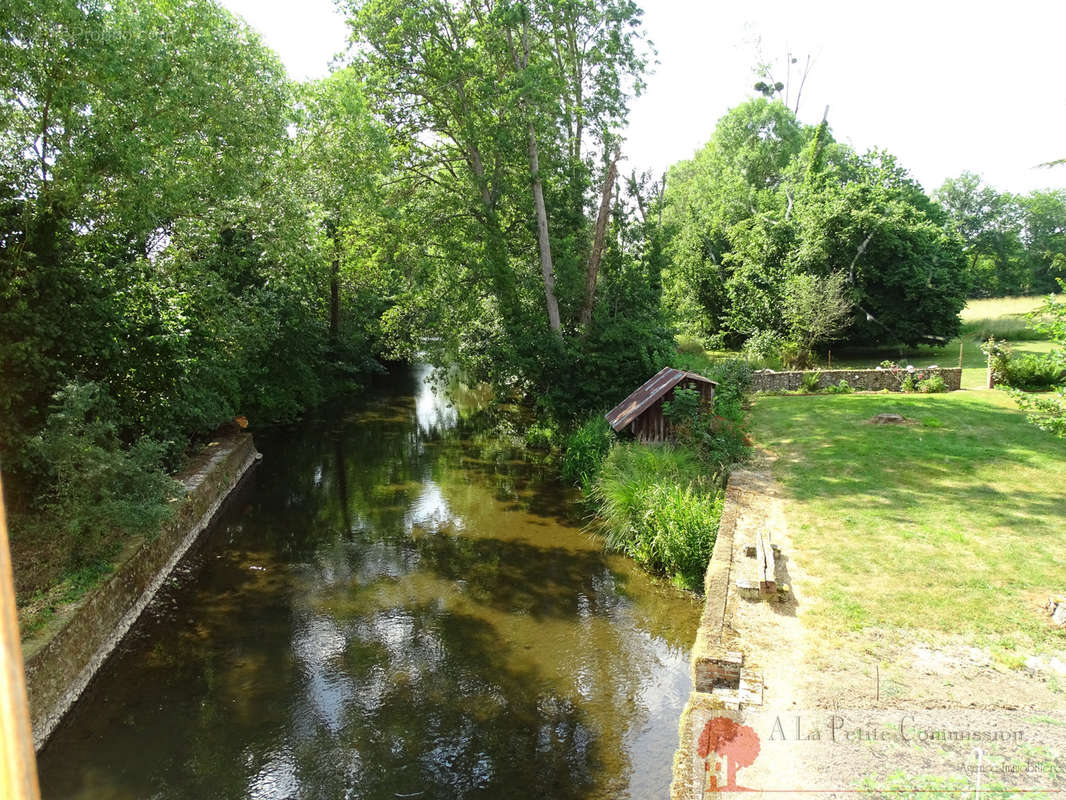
point(642, 411)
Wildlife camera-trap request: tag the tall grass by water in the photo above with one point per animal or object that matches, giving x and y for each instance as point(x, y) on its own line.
point(659, 506)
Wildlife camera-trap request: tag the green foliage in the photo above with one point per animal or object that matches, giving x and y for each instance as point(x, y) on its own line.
point(164, 193)
point(690, 344)
point(586, 448)
point(502, 152)
point(1047, 413)
point(1033, 373)
point(809, 381)
point(998, 354)
point(1050, 319)
point(685, 411)
point(841, 388)
point(734, 378)
point(656, 505)
point(761, 345)
point(816, 309)
point(98, 491)
point(773, 219)
point(934, 384)
point(540, 436)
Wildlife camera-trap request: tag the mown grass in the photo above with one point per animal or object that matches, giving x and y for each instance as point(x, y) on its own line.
point(952, 524)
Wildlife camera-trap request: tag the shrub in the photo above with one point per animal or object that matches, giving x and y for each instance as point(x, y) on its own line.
point(841, 388)
point(809, 382)
point(734, 377)
point(658, 506)
point(98, 490)
point(931, 385)
point(540, 436)
point(762, 345)
point(1033, 373)
point(718, 436)
point(586, 448)
point(909, 383)
point(1047, 413)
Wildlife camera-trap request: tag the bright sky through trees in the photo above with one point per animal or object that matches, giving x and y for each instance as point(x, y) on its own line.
point(946, 86)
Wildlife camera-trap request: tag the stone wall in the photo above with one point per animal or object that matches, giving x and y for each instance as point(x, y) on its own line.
point(862, 380)
point(62, 658)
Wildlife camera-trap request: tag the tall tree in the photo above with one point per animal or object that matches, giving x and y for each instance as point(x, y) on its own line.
point(503, 111)
point(1044, 236)
point(768, 199)
point(990, 224)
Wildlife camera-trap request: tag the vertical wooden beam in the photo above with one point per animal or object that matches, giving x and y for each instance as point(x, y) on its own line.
point(18, 770)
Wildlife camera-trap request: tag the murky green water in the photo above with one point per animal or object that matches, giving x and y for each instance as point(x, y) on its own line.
point(396, 606)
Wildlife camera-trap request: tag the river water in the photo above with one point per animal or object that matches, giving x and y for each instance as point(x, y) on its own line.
point(397, 604)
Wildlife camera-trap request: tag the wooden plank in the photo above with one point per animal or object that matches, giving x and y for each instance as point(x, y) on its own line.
point(18, 768)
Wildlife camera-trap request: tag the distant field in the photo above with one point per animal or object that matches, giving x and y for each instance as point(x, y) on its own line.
point(997, 307)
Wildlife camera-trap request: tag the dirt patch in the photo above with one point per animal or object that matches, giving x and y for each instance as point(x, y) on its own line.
point(891, 419)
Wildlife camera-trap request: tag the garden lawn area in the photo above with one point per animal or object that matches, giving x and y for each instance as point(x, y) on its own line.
point(955, 524)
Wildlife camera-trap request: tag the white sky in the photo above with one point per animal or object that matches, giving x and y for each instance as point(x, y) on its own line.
point(945, 86)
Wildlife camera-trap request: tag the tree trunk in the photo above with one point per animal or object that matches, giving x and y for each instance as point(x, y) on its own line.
point(596, 254)
point(334, 302)
point(543, 243)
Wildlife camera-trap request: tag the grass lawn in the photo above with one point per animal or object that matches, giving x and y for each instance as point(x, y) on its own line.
point(954, 525)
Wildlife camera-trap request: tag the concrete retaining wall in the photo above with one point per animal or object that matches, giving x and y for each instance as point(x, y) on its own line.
point(864, 380)
point(62, 658)
point(713, 652)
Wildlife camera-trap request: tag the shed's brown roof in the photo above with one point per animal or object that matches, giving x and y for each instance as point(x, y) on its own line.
point(663, 381)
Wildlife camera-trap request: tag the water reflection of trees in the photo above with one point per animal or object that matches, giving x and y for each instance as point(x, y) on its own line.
point(347, 636)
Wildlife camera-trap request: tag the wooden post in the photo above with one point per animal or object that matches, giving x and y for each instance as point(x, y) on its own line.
point(961, 343)
point(18, 768)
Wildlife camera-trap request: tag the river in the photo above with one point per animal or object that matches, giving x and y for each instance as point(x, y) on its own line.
point(397, 604)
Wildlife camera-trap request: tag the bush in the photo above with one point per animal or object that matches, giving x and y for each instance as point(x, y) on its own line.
point(809, 382)
point(841, 388)
point(734, 377)
point(717, 437)
point(99, 492)
point(658, 506)
point(586, 448)
point(1032, 373)
point(931, 385)
point(761, 345)
point(540, 436)
point(1047, 413)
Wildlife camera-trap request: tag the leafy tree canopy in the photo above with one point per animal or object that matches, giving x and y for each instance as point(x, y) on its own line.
point(769, 198)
